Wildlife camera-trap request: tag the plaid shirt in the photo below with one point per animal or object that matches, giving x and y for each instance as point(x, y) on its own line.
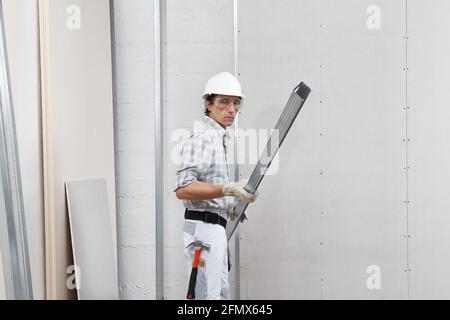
point(204, 158)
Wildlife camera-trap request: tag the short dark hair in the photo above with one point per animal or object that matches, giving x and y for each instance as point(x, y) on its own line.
point(210, 100)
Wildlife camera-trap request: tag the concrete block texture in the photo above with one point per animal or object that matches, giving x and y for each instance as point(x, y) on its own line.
point(197, 42)
point(133, 60)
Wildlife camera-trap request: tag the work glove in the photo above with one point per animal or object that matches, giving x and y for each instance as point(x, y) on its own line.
point(231, 208)
point(232, 214)
point(236, 189)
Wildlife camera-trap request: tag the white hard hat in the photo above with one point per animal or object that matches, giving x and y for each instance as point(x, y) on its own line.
point(223, 83)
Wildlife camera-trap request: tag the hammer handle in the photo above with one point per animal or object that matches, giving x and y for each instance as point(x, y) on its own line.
point(193, 279)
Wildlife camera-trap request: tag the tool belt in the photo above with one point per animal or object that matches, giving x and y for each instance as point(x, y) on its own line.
point(205, 216)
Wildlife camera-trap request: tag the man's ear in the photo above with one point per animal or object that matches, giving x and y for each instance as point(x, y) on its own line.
point(208, 105)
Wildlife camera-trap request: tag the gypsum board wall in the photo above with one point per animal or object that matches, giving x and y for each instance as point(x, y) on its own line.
point(284, 123)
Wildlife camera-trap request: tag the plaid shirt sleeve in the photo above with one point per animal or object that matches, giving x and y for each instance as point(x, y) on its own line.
point(197, 156)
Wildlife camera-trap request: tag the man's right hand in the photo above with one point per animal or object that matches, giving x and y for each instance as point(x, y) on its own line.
point(232, 214)
point(236, 189)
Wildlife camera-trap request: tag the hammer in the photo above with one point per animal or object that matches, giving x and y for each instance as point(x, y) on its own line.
point(198, 247)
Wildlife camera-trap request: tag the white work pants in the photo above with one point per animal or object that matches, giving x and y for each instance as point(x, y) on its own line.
point(212, 276)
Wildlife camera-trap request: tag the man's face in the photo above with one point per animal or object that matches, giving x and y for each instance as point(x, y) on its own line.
point(224, 109)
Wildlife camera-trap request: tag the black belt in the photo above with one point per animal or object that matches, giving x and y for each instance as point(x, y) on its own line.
point(205, 216)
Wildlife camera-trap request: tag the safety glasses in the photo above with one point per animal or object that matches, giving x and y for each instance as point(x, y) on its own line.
point(223, 103)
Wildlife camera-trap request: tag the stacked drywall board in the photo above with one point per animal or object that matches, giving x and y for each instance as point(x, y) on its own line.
point(77, 115)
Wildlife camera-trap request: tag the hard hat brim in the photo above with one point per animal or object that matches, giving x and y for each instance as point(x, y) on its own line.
point(225, 94)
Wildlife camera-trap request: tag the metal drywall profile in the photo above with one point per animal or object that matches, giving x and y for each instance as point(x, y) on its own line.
point(114, 91)
point(3, 284)
point(237, 261)
point(11, 181)
point(407, 161)
point(159, 161)
point(6, 279)
point(284, 123)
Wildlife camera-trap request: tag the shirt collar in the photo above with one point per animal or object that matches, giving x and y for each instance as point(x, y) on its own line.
point(217, 127)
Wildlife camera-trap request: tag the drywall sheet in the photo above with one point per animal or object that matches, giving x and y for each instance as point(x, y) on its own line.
point(92, 240)
point(428, 148)
point(331, 221)
point(197, 43)
point(363, 158)
point(22, 34)
point(77, 112)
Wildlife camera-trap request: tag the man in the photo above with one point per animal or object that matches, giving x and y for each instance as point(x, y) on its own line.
point(203, 183)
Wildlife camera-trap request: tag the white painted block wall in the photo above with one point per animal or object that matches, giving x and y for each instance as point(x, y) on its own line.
point(197, 43)
point(133, 62)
